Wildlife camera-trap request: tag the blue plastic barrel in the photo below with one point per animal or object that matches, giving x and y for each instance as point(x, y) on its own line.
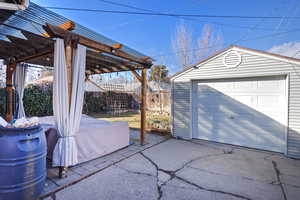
point(22, 163)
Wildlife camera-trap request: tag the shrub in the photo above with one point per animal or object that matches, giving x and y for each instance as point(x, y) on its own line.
point(38, 101)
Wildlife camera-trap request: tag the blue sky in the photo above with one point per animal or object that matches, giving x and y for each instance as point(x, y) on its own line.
point(152, 35)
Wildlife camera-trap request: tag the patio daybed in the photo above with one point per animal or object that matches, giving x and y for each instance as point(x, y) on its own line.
point(104, 137)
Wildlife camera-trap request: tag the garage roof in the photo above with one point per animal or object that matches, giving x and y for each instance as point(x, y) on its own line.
point(243, 49)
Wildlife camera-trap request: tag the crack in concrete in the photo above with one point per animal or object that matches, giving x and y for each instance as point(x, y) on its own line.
point(274, 183)
point(268, 156)
point(196, 159)
point(242, 177)
point(212, 146)
point(173, 175)
point(211, 190)
point(278, 178)
point(133, 172)
point(190, 187)
point(159, 190)
point(295, 186)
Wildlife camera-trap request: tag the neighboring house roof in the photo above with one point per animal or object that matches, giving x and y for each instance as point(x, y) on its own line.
point(243, 49)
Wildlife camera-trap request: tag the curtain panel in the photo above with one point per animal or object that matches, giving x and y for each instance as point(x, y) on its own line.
point(67, 114)
point(19, 83)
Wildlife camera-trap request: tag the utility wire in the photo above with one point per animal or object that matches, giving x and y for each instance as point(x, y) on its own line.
point(213, 46)
point(186, 18)
point(243, 40)
point(126, 6)
point(168, 14)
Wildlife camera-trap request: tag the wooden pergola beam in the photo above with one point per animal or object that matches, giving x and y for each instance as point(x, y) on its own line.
point(104, 66)
point(40, 40)
point(95, 84)
point(55, 31)
point(23, 50)
point(69, 62)
point(98, 71)
point(14, 46)
point(68, 25)
point(11, 49)
point(69, 51)
point(143, 107)
point(11, 67)
point(110, 65)
point(117, 46)
point(24, 45)
point(137, 76)
point(112, 61)
point(125, 68)
point(37, 55)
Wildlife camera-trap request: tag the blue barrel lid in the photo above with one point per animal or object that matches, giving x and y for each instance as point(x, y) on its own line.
point(30, 129)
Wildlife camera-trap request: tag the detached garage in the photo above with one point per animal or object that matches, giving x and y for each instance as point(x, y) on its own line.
point(240, 96)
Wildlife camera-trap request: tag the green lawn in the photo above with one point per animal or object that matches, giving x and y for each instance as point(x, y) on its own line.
point(134, 119)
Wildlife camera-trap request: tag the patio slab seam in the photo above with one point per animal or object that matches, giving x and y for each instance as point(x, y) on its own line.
point(83, 177)
point(134, 172)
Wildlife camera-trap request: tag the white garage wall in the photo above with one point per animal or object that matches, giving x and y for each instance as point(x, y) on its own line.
point(252, 65)
point(181, 103)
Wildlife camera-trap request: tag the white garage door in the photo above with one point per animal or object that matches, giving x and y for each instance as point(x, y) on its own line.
point(249, 112)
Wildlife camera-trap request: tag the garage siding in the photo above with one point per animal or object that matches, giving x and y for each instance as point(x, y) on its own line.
point(251, 66)
point(181, 109)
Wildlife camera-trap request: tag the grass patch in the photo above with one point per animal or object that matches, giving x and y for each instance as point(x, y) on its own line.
point(134, 119)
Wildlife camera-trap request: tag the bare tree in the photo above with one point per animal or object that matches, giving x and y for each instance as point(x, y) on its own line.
point(187, 51)
point(182, 45)
point(208, 42)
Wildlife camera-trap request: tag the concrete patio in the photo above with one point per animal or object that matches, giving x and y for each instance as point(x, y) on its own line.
point(177, 169)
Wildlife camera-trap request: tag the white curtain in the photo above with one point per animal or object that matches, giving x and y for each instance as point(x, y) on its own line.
point(19, 83)
point(67, 117)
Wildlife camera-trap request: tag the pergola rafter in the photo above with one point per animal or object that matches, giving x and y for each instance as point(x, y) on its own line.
point(55, 31)
point(24, 45)
point(9, 49)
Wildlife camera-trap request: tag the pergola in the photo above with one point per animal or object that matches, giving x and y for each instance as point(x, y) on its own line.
point(29, 36)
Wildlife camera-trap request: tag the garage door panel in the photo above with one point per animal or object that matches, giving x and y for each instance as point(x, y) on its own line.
point(269, 100)
point(241, 112)
point(228, 132)
point(271, 85)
